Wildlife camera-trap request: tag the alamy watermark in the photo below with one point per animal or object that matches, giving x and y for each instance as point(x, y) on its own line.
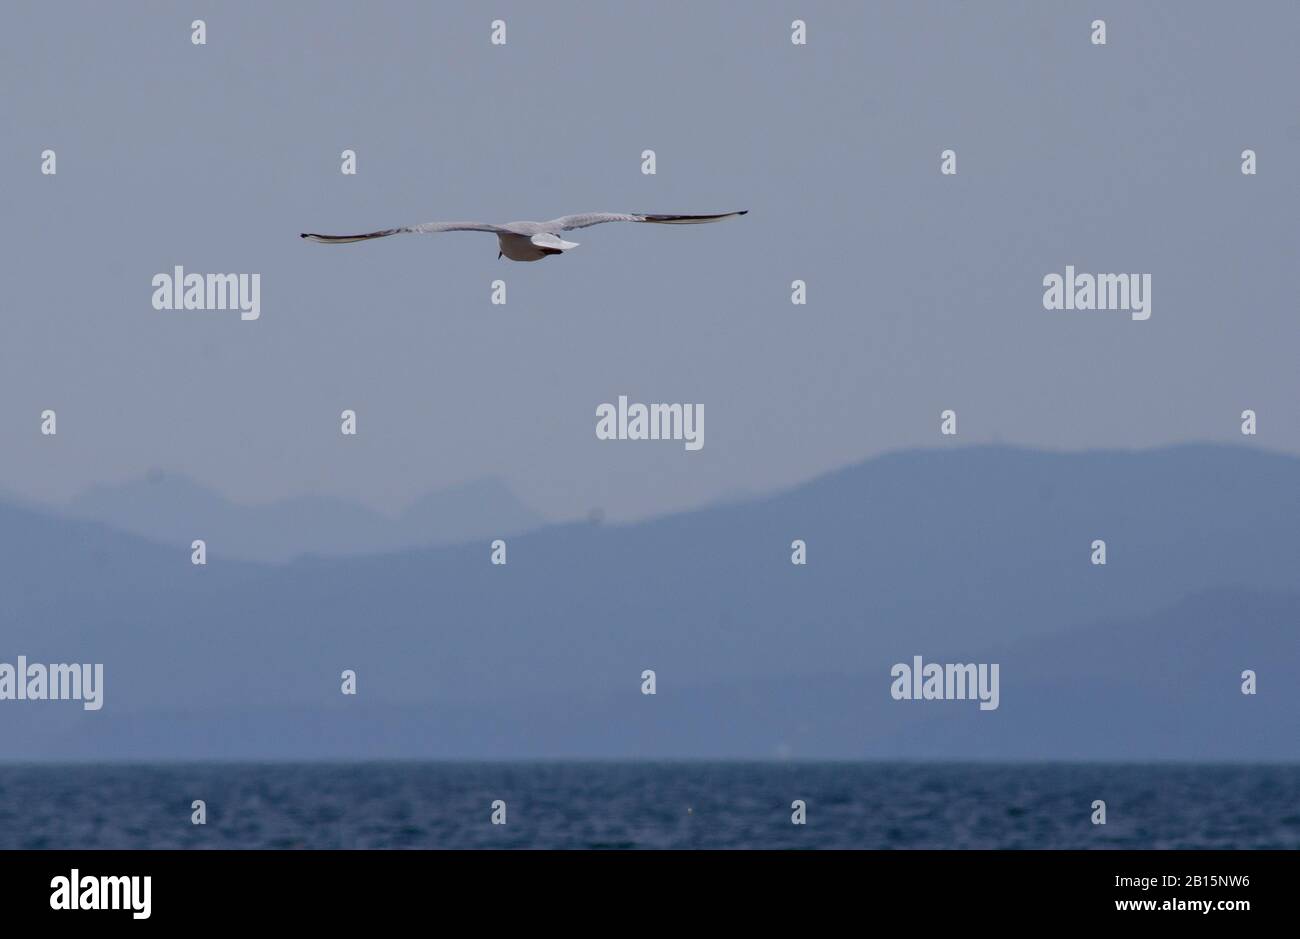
point(39, 682)
point(77, 892)
point(1098, 292)
point(181, 291)
point(950, 682)
point(651, 422)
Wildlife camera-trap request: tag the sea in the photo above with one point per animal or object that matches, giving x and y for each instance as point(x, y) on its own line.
point(563, 805)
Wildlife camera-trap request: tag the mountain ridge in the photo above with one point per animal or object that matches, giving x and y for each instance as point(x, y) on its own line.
point(941, 553)
point(172, 508)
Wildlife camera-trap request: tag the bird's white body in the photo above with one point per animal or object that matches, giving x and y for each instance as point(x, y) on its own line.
point(525, 248)
point(529, 241)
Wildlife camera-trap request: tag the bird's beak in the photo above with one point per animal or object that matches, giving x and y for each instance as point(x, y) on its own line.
point(499, 255)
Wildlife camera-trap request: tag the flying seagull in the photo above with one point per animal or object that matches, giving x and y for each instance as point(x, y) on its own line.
point(528, 241)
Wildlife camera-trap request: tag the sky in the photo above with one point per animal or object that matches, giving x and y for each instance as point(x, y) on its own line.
point(924, 290)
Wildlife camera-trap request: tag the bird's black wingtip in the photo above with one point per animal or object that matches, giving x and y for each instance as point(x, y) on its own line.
point(302, 234)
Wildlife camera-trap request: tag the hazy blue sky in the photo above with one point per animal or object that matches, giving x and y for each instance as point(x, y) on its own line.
point(924, 291)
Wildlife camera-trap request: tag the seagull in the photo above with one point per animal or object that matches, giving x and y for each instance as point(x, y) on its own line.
point(528, 241)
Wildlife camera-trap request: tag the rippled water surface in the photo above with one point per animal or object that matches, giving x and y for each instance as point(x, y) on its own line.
point(652, 805)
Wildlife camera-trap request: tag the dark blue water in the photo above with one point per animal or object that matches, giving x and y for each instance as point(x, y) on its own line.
point(653, 805)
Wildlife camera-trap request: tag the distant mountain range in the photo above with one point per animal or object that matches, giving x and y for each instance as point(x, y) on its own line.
point(172, 509)
point(964, 555)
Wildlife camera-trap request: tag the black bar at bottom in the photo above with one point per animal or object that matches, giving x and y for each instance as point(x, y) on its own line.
point(331, 888)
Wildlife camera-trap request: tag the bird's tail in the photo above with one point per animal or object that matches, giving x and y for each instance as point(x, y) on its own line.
point(348, 239)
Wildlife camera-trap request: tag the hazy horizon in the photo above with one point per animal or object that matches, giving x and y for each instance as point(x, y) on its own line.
point(723, 498)
point(981, 554)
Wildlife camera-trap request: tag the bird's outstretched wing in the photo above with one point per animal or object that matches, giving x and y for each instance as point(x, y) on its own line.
point(587, 219)
point(428, 228)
